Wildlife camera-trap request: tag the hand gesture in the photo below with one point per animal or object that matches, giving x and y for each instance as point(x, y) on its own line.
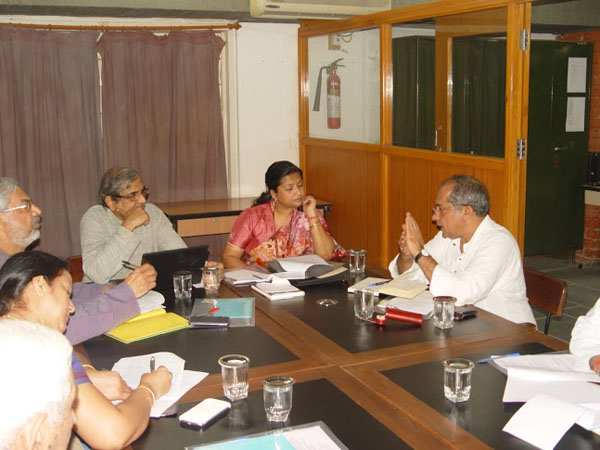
point(135, 217)
point(141, 280)
point(158, 381)
point(413, 237)
point(111, 384)
point(402, 246)
point(309, 206)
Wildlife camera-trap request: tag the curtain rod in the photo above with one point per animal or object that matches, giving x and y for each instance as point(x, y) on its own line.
point(229, 26)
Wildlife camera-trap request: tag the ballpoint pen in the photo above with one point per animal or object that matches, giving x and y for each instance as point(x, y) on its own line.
point(129, 265)
point(492, 358)
point(379, 283)
point(152, 364)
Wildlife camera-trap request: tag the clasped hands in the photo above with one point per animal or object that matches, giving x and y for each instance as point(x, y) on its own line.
point(411, 239)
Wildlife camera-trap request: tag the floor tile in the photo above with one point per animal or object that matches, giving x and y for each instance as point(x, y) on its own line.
point(544, 263)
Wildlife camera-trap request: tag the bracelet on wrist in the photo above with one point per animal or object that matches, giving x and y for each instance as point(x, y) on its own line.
point(597, 365)
point(312, 217)
point(89, 366)
point(149, 390)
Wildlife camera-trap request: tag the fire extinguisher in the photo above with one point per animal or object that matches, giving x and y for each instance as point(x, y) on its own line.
point(333, 94)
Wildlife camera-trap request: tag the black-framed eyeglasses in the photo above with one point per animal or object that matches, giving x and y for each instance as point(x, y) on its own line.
point(144, 193)
point(27, 204)
point(438, 210)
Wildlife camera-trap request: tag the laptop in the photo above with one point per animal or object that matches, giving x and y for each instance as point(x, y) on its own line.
point(167, 262)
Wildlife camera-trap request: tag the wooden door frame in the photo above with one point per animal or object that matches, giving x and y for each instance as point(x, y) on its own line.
point(518, 17)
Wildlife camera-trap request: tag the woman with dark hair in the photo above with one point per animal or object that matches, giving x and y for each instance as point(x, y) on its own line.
point(36, 287)
point(282, 223)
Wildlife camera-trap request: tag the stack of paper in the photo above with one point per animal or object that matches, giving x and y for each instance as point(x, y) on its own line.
point(372, 283)
point(243, 277)
point(300, 267)
point(150, 301)
point(403, 288)
point(132, 369)
point(278, 289)
point(420, 304)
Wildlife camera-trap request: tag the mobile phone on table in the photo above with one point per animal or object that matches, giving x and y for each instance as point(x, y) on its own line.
point(204, 413)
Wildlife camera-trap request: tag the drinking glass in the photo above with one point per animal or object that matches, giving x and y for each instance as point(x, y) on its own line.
point(443, 312)
point(234, 370)
point(357, 261)
point(457, 379)
point(211, 279)
point(182, 285)
point(364, 303)
point(277, 395)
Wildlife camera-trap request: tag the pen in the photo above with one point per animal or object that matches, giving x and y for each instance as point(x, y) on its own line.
point(152, 364)
point(492, 358)
point(379, 283)
point(129, 265)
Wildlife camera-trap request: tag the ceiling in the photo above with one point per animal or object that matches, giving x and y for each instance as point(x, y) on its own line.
point(548, 15)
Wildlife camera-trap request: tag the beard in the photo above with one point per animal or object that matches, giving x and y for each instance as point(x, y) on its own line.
point(22, 238)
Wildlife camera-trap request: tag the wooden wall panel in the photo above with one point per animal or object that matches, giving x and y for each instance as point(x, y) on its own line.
point(350, 180)
point(413, 186)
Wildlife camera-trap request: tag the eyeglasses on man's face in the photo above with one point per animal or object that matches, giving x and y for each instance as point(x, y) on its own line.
point(27, 205)
point(437, 210)
point(132, 196)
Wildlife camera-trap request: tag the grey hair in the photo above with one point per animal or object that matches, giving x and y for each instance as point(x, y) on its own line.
point(113, 180)
point(7, 187)
point(468, 191)
point(36, 377)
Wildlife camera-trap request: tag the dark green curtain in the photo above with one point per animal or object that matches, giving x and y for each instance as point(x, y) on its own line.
point(478, 99)
point(414, 91)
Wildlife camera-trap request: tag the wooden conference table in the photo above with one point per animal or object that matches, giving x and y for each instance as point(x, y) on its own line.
point(372, 386)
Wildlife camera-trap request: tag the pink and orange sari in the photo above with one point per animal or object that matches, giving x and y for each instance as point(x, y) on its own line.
point(254, 232)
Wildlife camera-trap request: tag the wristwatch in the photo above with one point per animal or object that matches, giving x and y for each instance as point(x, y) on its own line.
point(423, 252)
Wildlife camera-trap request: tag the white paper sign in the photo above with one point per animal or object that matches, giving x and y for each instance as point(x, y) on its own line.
point(575, 121)
point(576, 75)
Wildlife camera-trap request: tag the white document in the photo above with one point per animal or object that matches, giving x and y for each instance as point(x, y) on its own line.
point(245, 276)
point(421, 304)
point(544, 420)
point(575, 121)
point(310, 438)
point(576, 75)
point(150, 301)
point(372, 283)
point(189, 379)
point(559, 362)
point(296, 267)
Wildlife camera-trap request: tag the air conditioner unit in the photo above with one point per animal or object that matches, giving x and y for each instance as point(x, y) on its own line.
point(315, 9)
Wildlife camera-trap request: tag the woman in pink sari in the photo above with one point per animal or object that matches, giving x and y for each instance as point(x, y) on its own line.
point(274, 227)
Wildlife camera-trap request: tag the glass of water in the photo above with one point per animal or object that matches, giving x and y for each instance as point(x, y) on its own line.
point(443, 312)
point(357, 261)
point(277, 395)
point(457, 379)
point(364, 303)
point(234, 370)
point(182, 285)
point(211, 279)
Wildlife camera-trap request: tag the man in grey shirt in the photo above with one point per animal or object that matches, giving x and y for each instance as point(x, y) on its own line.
point(122, 227)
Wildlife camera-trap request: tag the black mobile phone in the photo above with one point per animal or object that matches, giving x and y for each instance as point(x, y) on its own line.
point(465, 314)
point(209, 321)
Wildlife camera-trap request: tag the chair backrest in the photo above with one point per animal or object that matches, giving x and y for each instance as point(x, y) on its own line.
point(546, 292)
point(75, 267)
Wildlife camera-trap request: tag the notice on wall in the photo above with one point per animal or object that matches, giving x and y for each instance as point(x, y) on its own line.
point(575, 121)
point(576, 75)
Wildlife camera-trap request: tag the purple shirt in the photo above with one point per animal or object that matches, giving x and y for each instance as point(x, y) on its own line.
point(96, 312)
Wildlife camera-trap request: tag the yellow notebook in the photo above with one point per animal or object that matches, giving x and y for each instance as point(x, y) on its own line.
point(147, 325)
point(403, 288)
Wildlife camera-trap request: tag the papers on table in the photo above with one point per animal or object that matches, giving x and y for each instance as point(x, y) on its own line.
point(557, 397)
point(132, 369)
point(278, 289)
point(421, 304)
point(150, 301)
point(241, 277)
point(300, 267)
point(372, 283)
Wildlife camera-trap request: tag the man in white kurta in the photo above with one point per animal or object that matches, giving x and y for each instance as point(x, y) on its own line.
point(472, 258)
point(585, 340)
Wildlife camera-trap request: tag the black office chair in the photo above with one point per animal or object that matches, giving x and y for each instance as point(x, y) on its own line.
point(547, 293)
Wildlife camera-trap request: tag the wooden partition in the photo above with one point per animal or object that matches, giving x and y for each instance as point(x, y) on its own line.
point(372, 186)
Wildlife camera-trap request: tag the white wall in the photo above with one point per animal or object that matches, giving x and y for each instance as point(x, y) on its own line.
point(267, 100)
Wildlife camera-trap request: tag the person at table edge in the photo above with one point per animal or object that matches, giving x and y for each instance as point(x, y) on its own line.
point(471, 258)
point(98, 308)
point(275, 227)
point(122, 227)
point(585, 340)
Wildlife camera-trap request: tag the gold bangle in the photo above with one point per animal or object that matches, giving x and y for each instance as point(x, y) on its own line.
point(313, 224)
point(88, 366)
point(149, 390)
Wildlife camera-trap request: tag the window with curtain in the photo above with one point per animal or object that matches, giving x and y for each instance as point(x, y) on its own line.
point(161, 114)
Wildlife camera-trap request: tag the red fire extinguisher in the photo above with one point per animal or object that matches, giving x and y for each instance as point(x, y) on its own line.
point(334, 120)
point(333, 99)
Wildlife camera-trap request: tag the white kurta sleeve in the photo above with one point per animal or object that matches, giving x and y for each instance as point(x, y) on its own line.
point(585, 337)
